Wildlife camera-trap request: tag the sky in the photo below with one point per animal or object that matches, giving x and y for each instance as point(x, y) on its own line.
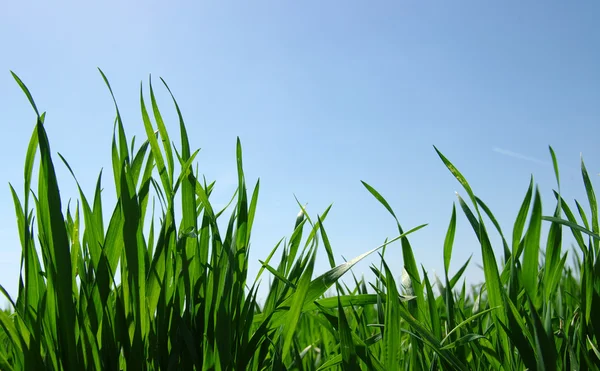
point(323, 94)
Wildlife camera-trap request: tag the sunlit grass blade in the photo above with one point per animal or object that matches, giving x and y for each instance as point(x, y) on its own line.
point(449, 240)
point(532, 248)
point(57, 246)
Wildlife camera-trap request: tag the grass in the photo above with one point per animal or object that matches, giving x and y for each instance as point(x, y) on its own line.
point(149, 291)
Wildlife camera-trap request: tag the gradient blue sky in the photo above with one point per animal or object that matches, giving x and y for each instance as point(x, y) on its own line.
point(323, 95)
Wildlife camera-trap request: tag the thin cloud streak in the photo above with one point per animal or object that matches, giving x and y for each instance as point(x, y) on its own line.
point(519, 156)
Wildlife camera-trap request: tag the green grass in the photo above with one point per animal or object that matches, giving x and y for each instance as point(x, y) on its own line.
point(152, 291)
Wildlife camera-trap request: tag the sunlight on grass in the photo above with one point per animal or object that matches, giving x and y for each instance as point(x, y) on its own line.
point(152, 291)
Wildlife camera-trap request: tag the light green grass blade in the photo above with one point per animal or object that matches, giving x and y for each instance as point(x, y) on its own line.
point(418, 307)
point(519, 224)
point(436, 325)
point(298, 299)
point(158, 156)
point(26, 91)
point(449, 240)
point(166, 141)
point(531, 251)
point(591, 195)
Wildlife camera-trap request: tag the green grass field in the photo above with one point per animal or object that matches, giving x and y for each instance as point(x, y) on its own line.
point(182, 298)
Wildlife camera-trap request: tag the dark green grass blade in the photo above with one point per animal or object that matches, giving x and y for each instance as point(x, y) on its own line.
point(488, 212)
point(320, 284)
point(436, 325)
point(410, 264)
point(349, 357)
point(572, 225)
point(391, 338)
point(492, 277)
point(54, 229)
point(531, 251)
point(297, 302)
point(545, 348)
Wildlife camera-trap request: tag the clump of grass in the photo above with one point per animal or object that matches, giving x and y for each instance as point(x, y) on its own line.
point(183, 299)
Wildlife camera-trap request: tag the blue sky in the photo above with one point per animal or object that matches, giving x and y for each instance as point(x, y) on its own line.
point(322, 95)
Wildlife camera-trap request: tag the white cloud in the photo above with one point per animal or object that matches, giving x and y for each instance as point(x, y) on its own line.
point(519, 156)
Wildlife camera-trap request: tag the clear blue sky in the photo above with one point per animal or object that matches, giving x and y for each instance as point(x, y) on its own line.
point(323, 95)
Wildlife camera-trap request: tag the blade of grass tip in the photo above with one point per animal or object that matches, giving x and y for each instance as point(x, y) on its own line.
point(295, 239)
point(97, 204)
point(7, 296)
point(553, 257)
point(166, 141)
point(592, 200)
point(92, 232)
point(34, 286)
point(262, 268)
point(459, 273)
point(158, 156)
point(233, 197)
point(242, 217)
point(379, 198)
point(123, 151)
point(252, 210)
point(410, 263)
point(572, 225)
point(461, 179)
point(571, 217)
point(320, 284)
point(531, 253)
point(326, 243)
point(116, 162)
point(188, 204)
point(556, 172)
point(30, 254)
point(449, 240)
point(27, 93)
point(138, 161)
point(593, 347)
point(313, 236)
point(520, 221)
point(28, 171)
point(491, 274)
point(582, 214)
point(185, 144)
point(277, 275)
